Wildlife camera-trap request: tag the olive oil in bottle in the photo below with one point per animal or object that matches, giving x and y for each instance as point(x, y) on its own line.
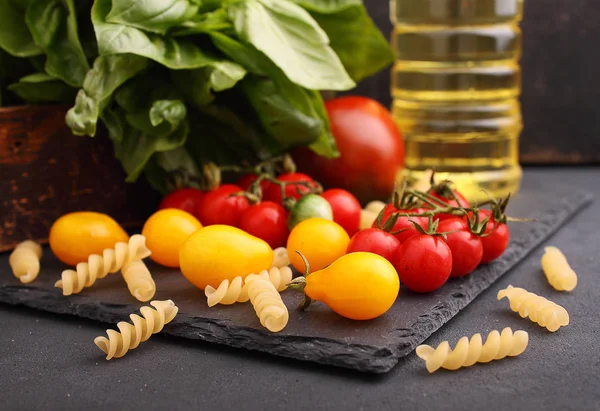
point(455, 89)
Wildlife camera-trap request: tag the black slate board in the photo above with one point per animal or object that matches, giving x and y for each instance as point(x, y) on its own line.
point(317, 334)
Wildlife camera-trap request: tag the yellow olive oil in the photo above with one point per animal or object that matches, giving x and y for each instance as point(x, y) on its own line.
point(455, 88)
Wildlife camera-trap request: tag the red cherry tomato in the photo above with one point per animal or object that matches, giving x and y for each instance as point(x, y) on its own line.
point(186, 199)
point(423, 263)
point(245, 181)
point(403, 223)
point(220, 206)
point(376, 241)
point(494, 244)
point(267, 221)
point(346, 209)
point(370, 145)
point(273, 192)
point(465, 246)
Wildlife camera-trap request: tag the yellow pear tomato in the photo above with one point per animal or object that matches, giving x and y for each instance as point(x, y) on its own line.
point(320, 241)
point(75, 236)
point(166, 231)
point(221, 252)
point(358, 286)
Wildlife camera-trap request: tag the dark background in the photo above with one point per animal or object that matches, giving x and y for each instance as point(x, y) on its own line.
point(561, 79)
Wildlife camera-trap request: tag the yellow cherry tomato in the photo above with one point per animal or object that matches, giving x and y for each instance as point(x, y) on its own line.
point(359, 286)
point(166, 231)
point(220, 252)
point(320, 241)
point(76, 236)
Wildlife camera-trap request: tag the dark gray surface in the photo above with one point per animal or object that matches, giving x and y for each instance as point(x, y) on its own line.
point(317, 334)
point(50, 362)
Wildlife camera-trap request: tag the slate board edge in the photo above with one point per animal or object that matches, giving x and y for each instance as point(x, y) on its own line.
point(374, 359)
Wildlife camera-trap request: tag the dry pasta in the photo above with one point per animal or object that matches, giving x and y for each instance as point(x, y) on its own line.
point(539, 310)
point(280, 258)
point(139, 281)
point(267, 303)
point(237, 290)
point(559, 273)
point(25, 261)
point(99, 266)
point(367, 218)
point(375, 206)
point(468, 352)
point(130, 336)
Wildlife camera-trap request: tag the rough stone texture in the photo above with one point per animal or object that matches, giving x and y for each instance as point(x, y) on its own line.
point(318, 334)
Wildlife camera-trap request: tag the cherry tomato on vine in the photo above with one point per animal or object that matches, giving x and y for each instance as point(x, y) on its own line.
point(462, 202)
point(424, 263)
point(185, 199)
point(245, 181)
point(221, 206)
point(494, 244)
point(346, 209)
point(403, 223)
point(273, 192)
point(466, 247)
point(267, 221)
point(376, 241)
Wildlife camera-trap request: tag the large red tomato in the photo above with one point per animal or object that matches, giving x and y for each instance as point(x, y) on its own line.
point(370, 145)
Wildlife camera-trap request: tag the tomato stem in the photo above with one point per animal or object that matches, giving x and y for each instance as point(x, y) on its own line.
point(299, 284)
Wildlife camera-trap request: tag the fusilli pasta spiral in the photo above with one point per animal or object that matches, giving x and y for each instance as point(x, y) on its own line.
point(367, 218)
point(99, 266)
point(559, 273)
point(25, 261)
point(237, 290)
point(539, 310)
point(139, 280)
point(267, 303)
point(375, 206)
point(468, 352)
point(281, 258)
point(130, 336)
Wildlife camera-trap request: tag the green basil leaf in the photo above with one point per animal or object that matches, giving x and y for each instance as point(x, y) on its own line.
point(152, 15)
point(168, 51)
point(160, 168)
point(53, 25)
point(198, 85)
point(325, 145)
point(107, 74)
point(42, 88)
point(287, 125)
point(170, 111)
point(15, 37)
point(205, 23)
point(304, 101)
point(358, 42)
point(291, 38)
point(115, 122)
point(328, 6)
point(137, 147)
point(245, 54)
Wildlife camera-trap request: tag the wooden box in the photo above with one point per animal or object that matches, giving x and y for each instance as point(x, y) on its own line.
point(46, 171)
